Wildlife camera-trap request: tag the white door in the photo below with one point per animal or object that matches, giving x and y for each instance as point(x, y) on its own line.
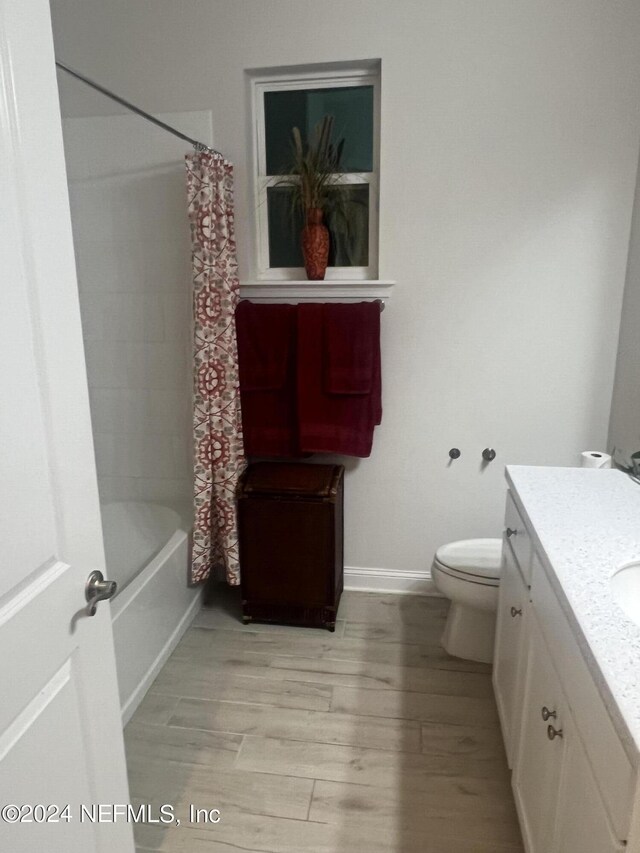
point(60, 731)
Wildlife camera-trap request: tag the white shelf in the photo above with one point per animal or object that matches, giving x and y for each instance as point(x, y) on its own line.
point(336, 290)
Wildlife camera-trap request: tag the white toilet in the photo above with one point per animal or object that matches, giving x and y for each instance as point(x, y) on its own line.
point(468, 572)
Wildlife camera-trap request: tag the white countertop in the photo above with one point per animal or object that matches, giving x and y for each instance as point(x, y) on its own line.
point(587, 524)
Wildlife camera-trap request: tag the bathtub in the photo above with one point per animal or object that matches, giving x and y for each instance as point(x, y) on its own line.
point(147, 553)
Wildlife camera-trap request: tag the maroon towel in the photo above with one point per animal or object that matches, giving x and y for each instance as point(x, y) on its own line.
point(264, 344)
point(328, 423)
point(266, 356)
point(376, 381)
point(351, 335)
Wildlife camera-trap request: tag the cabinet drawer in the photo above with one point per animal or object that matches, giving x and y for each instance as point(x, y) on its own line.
point(611, 767)
point(518, 537)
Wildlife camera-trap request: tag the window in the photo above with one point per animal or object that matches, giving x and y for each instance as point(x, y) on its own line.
point(301, 99)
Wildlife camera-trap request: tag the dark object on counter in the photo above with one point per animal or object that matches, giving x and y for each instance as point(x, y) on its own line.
point(291, 543)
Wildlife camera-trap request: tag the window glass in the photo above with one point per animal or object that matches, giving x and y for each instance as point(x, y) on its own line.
point(349, 246)
point(285, 226)
point(351, 107)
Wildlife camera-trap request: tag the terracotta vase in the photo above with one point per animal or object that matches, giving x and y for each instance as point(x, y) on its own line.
point(315, 245)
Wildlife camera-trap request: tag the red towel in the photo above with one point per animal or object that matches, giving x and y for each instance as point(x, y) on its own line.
point(352, 351)
point(328, 422)
point(376, 382)
point(264, 336)
point(266, 355)
point(350, 335)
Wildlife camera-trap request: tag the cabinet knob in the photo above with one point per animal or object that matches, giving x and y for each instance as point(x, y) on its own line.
point(516, 611)
point(488, 454)
point(454, 453)
point(510, 531)
point(547, 714)
point(552, 733)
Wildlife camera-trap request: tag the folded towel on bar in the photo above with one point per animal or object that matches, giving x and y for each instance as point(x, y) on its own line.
point(265, 338)
point(310, 378)
point(267, 361)
point(351, 338)
point(329, 422)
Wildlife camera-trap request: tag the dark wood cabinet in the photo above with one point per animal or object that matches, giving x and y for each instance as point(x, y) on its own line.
point(291, 543)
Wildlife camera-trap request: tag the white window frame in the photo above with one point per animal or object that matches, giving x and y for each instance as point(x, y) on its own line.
point(318, 79)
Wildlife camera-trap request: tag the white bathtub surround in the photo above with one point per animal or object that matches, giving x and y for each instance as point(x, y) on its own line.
point(131, 236)
point(147, 553)
point(586, 522)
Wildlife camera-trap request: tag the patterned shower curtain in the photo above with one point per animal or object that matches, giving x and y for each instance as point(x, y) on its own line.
point(217, 426)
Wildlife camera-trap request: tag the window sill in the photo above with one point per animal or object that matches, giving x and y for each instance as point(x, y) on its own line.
point(335, 290)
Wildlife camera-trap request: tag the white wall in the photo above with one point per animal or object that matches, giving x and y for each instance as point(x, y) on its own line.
point(624, 429)
point(131, 236)
point(509, 147)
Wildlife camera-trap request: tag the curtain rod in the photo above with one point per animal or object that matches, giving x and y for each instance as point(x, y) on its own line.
point(199, 146)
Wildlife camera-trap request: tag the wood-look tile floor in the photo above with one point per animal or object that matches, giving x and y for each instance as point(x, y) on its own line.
point(369, 740)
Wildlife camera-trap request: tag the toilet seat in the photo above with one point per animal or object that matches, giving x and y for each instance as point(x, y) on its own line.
point(476, 561)
point(465, 578)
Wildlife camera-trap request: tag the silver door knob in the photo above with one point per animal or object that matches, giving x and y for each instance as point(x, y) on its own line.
point(98, 589)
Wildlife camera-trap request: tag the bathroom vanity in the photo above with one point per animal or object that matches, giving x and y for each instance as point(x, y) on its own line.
point(567, 659)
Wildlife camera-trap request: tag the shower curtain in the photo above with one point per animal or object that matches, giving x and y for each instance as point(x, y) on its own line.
point(217, 425)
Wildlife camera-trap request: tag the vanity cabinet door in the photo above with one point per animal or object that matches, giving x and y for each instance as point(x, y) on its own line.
point(540, 755)
point(509, 649)
point(582, 824)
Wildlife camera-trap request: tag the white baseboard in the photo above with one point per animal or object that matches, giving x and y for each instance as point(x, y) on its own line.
point(131, 705)
point(401, 582)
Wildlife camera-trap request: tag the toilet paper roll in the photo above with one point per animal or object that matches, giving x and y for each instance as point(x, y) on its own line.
point(595, 459)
